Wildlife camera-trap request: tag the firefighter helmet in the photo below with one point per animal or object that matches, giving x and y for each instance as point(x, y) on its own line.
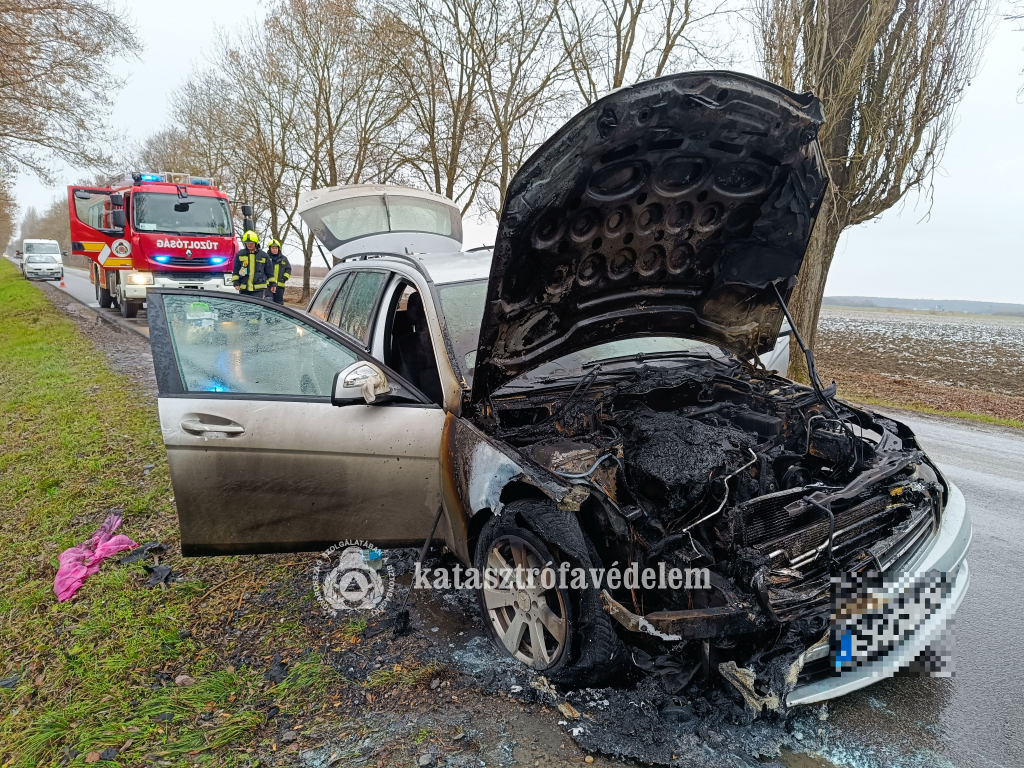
point(250, 237)
point(272, 242)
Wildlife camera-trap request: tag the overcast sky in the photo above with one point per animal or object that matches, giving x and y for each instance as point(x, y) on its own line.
point(970, 247)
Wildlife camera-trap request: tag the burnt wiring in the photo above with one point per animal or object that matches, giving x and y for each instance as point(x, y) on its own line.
point(589, 472)
point(557, 411)
point(812, 373)
point(725, 496)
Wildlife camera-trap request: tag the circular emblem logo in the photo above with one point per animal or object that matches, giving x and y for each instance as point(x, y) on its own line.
point(121, 248)
point(188, 253)
point(351, 576)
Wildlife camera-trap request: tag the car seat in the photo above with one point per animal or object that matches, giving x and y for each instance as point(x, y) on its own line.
point(412, 350)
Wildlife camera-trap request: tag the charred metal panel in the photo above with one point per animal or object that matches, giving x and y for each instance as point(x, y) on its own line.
point(666, 208)
point(475, 469)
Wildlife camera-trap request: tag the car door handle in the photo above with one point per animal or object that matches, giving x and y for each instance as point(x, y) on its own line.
point(199, 427)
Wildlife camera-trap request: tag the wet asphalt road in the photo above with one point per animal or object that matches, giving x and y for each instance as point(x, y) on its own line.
point(977, 717)
point(76, 283)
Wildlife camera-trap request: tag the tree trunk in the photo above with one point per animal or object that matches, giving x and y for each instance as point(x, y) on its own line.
point(805, 303)
point(307, 265)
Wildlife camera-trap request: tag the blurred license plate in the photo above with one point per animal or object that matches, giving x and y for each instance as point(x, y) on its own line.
point(874, 613)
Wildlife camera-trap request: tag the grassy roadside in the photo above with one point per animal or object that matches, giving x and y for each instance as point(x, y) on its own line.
point(97, 672)
point(932, 399)
point(922, 408)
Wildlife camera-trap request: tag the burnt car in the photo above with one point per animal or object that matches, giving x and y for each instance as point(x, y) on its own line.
point(589, 394)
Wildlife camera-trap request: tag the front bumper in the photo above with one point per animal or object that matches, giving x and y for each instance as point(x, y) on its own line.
point(947, 552)
point(213, 282)
point(37, 274)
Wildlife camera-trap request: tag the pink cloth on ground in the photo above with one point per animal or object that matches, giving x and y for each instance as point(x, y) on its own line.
point(80, 562)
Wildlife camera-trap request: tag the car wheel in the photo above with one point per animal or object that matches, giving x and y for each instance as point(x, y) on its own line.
point(106, 301)
point(548, 626)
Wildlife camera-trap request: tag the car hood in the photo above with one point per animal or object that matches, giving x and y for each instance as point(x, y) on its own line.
point(668, 208)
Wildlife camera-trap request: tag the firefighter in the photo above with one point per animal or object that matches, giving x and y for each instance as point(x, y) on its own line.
point(280, 271)
point(252, 267)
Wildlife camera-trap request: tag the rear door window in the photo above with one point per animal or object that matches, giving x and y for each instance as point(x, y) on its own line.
point(340, 299)
point(322, 303)
point(355, 318)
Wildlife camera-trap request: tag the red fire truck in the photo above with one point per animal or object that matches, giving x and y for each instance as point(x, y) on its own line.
point(167, 230)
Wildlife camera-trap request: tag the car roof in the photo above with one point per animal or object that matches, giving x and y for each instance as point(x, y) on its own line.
point(454, 267)
point(457, 267)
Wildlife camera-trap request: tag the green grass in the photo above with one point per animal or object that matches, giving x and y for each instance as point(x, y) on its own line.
point(74, 445)
point(921, 408)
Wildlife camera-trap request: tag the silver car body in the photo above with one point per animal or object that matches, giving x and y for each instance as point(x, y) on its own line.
point(476, 485)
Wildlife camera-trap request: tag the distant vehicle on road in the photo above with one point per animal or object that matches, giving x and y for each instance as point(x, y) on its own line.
point(166, 230)
point(39, 247)
point(42, 266)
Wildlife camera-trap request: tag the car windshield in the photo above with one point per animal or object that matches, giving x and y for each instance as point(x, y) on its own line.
point(42, 248)
point(158, 212)
point(463, 307)
point(41, 259)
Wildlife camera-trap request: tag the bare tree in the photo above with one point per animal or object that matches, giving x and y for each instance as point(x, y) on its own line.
point(611, 43)
point(52, 224)
point(451, 143)
point(8, 212)
point(1016, 14)
point(890, 74)
point(521, 67)
point(56, 80)
point(346, 100)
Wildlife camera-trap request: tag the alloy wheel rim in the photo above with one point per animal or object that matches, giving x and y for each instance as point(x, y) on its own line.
point(529, 619)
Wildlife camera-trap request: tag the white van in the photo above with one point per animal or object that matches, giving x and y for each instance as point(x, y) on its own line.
point(41, 259)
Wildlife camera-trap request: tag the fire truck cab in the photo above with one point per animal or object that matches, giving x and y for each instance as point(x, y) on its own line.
point(166, 230)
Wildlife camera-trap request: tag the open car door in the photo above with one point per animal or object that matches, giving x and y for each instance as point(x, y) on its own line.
point(93, 233)
point(260, 459)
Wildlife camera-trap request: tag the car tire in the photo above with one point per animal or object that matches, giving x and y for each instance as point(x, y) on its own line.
point(106, 301)
point(589, 651)
point(129, 308)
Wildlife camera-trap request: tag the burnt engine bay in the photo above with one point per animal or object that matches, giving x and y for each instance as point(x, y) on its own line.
point(715, 464)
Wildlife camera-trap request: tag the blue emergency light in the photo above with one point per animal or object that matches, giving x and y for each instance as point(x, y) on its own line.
point(162, 258)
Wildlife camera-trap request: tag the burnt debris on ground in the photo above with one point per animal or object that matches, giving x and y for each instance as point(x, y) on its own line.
point(702, 724)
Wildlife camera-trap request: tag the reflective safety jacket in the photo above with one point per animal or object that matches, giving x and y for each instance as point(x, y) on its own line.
point(282, 269)
point(251, 271)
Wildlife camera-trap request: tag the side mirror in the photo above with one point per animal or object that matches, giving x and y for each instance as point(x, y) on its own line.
point(117, 218)
point(117, 200)
point(360, 381)
point(247, 211)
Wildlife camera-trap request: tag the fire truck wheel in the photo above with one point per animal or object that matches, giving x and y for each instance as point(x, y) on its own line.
point(103, 296)
point(129, 308)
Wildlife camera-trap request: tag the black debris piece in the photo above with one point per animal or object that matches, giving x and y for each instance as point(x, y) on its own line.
point(160, 574)
point(10, 682)
point(278, 671)
point(140, 552)
point(165, 717)
point(69, 753)
point(110, 753)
